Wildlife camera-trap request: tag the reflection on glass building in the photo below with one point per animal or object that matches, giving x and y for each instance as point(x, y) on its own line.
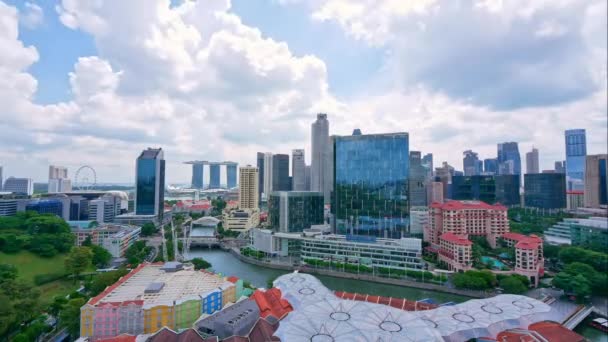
point(370, 194)
point(576, 150)
point(545, 190)
point(150, 182)
point(503, 189)
point(294, 211)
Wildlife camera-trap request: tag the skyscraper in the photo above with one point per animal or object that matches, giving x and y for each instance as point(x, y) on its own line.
point(470, 163)
point(532, 161)
point(307, 176)
point(444, 175)
point(1, 178)
point(545, 190)
point(576, 150)
point(280, 173)
point(260, 164)
point(417, 180)
point(248, 187)
point(427, 162)
point(490, 166)
point(559, 167)
point(509, 151)
point(58, 179)
point(197, 175)
point(150, 182)
point(370, 195)
point(298, 170)
point(321, 156)
point(596, 180)
point(267, 174)
point(231, 174)
point(214, 176)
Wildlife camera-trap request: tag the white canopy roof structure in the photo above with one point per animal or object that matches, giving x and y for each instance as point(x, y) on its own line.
point(320, 316)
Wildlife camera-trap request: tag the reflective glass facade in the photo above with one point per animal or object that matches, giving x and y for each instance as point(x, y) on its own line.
point(260, 165)
point(280, 173)
point(231, 175)
point(371, 194)
point(545, 190)
point(509, 151)
point(46, 207)
point(603, 182)
point(503, 189)
point(214, 176)
point(197, 176)
point(294, 211)
point(576, 150)
point(150, 183)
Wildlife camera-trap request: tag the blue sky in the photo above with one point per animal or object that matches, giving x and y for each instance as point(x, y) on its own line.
point(95, 82)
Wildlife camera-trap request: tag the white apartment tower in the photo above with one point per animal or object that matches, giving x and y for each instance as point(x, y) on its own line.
point(298, 170)
point(58, 179)
point(248, 187)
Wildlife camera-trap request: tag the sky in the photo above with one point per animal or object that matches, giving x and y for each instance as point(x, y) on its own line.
point(95, 82)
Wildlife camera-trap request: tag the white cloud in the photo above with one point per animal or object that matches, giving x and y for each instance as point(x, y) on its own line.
point(32, 16)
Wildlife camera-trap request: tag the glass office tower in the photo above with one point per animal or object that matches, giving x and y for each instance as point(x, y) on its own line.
point(294, 211)
point(150, 182)
point(371, 194)
point(545, 190)
point(576, 150)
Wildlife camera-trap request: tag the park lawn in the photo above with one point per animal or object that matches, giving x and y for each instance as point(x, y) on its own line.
point(30, 264)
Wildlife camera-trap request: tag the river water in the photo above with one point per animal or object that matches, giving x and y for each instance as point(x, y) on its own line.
point(225, 263)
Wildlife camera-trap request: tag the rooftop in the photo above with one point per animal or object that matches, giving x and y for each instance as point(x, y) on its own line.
point(457, 239)
point(271, 303)
point(470, 205)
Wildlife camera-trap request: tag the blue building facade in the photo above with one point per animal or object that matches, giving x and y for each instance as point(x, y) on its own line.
point(509, 151)
point(46, 207)
point(150, 182)
point(370, 195)
point(197, 176)
point(231, 175)
point(214, 176)
point(576, 151)
point(490, 165)
point(211, 302)
point(545, 190)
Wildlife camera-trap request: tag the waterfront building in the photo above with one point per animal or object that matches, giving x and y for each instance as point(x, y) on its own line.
point(198, 174)
point(322, 160)
point(150, 183)
point(532, 162)
point(545, 190)
point(596, 181)
point(471, 164)
point(46, 206)
point(23, 186)
point(576, 152)
point(150, 297)
point(579, 232)
point(214, 176)
point(403, 254)
point(370, 194)
point(113, 237)
point(417, 180)
point(490, 166)
point(466, 218)
point(456, 251)
point(248, 187)
point(241, 219)
point(298, 170)
point(267, 174)
point(294, 211)
point(529, 260)
point(509, 151)
point(419, 218)
point(260, 165)
point(503, 189)
point(280, 173)
point(575, 199)
point(231, 174)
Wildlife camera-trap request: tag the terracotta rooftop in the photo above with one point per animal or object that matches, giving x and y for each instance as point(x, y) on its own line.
point(271, 303)
point(524, 241)
point(461, 205)
point(549, 331)
point(397, 303)
point(457, 239)
point(233, 279)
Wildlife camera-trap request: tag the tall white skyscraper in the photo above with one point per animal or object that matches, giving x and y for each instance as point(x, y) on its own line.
point(532, 161)
point(58, 179)
point(298, 170)
point(321, 156)
point(248, 187)
point(267, 174)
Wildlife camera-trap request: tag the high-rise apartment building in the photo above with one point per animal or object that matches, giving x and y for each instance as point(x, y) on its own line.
point(58, 179)
point(471, 163)
point(298, 170)
point(490, 166)
point(260, 165)
point(280, 173)
point(509, 151)
point(370, 195)
point(545, 190)
point(248, 187)
point(576, 150)
point(322, 161)
point(532, 161)
point(417, 180)
point(150, 182)
point(23, 186)
point(596, 181)
point(267, 174)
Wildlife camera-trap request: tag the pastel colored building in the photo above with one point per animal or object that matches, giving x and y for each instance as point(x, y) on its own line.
point(238, 283)
point(466, 218)
point(529, 260)
point(455, 251)
point(153, 296)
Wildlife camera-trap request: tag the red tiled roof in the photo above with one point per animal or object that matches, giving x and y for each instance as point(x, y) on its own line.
point(200, 206)
point(271, 303)
point(524, 241)
point(460, 205)
point(513, 236)
point(550, 331)
point(233, 279)
point(457, 239)
point(111, 288)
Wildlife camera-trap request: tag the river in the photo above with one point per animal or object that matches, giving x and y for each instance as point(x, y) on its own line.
point(225, 263)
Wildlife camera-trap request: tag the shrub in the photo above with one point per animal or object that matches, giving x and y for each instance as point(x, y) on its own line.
point(41, 279)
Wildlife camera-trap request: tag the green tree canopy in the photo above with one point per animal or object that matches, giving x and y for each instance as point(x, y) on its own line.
point(200, 263)
point(70, 316)
point(78, 260)
point(148, 229)
point(514, 285)
point(46, 224)
point(101, 256)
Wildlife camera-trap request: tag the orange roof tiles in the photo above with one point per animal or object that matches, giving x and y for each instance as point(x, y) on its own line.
point(550, 331)
point(271, 303)
point(460, 205)
point(457, 239)
point(233, 279)
point(111, 288)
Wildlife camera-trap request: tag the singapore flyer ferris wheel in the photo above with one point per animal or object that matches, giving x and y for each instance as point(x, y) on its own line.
point(85, 178)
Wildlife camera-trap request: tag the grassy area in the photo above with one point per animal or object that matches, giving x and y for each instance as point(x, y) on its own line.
point(30, 264)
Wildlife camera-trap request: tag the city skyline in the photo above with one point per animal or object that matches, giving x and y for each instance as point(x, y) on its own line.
point(97, 111)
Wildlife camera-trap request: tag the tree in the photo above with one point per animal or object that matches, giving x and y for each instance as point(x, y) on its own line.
point(46, 224)
point(103, 280)
point(148, 229)
point(88, 242)
point(78, 260)
point(512, 285)
point(7, 272)
point(70, 316)
point(101, 256)
point(137, 252)
point(57, 305)
point(200, 263)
